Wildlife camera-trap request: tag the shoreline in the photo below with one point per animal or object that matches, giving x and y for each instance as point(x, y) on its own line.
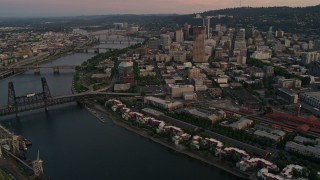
point(180, 149)
point(47, 60)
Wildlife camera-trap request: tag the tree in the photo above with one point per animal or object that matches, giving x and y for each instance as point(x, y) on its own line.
point(313, 175)
point(305, 81)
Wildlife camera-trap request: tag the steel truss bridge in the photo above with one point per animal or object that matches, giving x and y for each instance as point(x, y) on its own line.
point(44, 99)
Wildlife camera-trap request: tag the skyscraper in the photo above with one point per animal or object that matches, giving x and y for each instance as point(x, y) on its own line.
point(198, 53)
point(179, 36)
point(241, 36)
point(186, 28)
point(165, 41)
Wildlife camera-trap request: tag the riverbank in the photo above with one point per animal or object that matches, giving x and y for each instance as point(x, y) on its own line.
point(8, 165)
point(51, 58)
point(180, 149)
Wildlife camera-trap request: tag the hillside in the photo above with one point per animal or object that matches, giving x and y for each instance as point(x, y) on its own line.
point(295, 20)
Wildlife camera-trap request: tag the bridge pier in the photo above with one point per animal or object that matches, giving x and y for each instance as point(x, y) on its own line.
point(55, 70)
point(36, 71)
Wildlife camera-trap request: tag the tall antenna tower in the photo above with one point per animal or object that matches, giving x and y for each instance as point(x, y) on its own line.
point(240, 2)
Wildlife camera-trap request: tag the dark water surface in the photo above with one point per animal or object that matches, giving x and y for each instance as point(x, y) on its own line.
point(75, 145)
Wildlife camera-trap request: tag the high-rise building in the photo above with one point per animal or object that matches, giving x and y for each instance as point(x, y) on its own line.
point(269, 34)
point(179, 36)
point(165, 41)
point(218, 27)
point(186, 29)
point(198, 53)
point(208, 28)
point(241, 36)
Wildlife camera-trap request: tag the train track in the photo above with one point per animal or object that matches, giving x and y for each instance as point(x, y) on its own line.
point(293, 126)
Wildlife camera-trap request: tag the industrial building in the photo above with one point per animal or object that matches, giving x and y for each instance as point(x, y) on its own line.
point(288, 95)
point(310, 151)
point(311, 98)
point(163, 104)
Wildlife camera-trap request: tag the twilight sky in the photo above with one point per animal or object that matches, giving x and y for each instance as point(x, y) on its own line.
point(18, 8)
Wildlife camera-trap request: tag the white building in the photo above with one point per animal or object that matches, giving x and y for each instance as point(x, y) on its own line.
point(161, 103)
point(241, 124)
point(261, 55)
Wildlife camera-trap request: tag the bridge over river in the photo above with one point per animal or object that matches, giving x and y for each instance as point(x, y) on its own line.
point(39, 100)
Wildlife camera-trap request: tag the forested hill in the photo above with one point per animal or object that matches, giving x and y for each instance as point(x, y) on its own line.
point(295, 20)
point(250, 11)
point(304, 20)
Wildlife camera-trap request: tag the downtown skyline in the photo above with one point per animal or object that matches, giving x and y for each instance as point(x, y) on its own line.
point(38, 8)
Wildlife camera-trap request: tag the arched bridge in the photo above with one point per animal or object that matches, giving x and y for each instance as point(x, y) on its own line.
point(44, 99)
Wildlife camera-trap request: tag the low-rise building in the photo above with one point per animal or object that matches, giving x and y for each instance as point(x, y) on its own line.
point(243, 123)
point(189, 96)
point(311, 98)
point(163, 104)
point(268, 135)
point(310, 151)
point(261, 55)
point(288, 95)
point(101, 77)
point(121, 87)
point(194, 73)
point(287, 172)
point(265, 175)
point(231, 150)
point(222, 79)
point(178, 90)
point(289, 83)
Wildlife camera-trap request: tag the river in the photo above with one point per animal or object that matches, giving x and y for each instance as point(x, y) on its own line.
point(74, 145)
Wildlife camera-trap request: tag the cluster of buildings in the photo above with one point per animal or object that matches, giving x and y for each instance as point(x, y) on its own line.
point(16, 46)
point(202, 55)
point(178, 136)
point(286, 174)
point(269, 133)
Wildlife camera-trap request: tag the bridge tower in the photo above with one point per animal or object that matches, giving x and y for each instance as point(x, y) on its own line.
point(12, 100)
point(46, 92)
point(36, 70)
point(37, 166)
point(15, 146)
point(55, 69)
